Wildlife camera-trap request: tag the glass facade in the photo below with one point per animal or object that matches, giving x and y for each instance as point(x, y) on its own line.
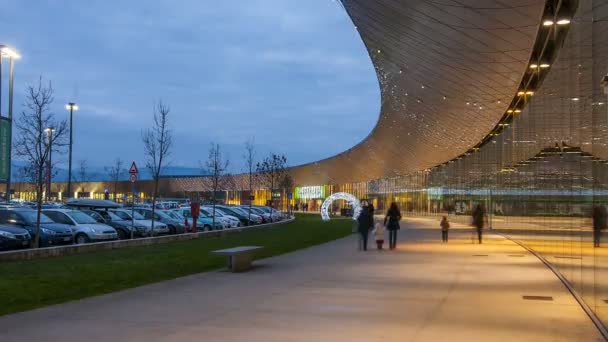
point(542, 171)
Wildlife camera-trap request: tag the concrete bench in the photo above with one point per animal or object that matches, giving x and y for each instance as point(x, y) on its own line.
point(239, 258)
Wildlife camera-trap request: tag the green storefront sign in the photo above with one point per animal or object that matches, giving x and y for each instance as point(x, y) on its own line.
point(5, 149)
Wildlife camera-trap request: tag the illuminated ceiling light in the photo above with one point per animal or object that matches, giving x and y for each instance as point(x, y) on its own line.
point(575, 99)
point(468, 103)
point(510, 111)
point(445, 98)
point(422, 86)
point(379, 51)
point(563, 21)
point(544, 65)
point(480, 107)
point(8, 52)
point(517, 111)
point(529, 93)
point(521, 93)
point(533, 66)
point(498, 101)
point(548, 22)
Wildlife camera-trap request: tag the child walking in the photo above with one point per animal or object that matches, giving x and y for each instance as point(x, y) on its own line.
point(379, 235)
point(445, 226)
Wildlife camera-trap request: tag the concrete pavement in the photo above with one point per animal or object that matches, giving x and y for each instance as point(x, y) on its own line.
point(423, 291)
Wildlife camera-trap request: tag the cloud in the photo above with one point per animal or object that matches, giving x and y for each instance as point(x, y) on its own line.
point(274, 69)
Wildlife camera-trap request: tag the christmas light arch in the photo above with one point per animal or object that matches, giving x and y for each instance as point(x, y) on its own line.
point(352, 200)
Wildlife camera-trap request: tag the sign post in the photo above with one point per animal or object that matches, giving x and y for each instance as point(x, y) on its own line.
point(133, 172)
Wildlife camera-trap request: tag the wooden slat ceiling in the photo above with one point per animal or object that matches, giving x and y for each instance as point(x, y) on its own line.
point(447, 70)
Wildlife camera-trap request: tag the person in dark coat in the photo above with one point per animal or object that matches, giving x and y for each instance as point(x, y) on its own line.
point(364, 220)
point(599, 223)
point(479, 220)
point(391, 221)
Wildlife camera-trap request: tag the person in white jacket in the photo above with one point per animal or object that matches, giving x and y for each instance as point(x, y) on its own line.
point(378, 233)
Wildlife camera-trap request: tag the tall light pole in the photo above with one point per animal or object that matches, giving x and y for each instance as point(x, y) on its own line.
point(49, 165)
point(5, 51)
point(71, 107)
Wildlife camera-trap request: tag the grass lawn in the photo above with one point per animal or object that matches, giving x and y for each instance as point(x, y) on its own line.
point(31, 284)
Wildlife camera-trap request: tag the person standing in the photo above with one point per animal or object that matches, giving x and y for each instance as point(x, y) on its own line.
point(391, 221)
point(445, 226)
point(478, 221)
point(599, 223)
point(378, 233)
point(363, 225)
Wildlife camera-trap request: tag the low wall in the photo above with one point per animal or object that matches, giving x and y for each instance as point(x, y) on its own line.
point(38, 253)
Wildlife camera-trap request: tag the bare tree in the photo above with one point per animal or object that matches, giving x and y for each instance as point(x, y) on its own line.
point(249, 157)
point(271, 171)
point(83, 173)
point(286, 184)
point(157, 141)
point(115, 171)
point(217, 166)
point(32, 142)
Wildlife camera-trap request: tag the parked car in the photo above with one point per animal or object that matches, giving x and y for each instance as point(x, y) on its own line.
point(229, 221)
point(159, 227)
point(12, 237)
point(266, 217)
point(277, 215)
point(242, 215)
point(84, 227)
point(176, 226)
point(51, 233)
point(122, 227)
point(203, 222)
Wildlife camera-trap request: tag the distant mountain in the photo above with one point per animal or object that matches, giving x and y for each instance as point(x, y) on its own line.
point(96, 174)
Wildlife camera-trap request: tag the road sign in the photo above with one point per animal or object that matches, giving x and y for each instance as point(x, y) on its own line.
point(133, 178)
point(133, 170)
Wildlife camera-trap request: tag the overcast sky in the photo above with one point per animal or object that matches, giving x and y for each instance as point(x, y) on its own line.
point(294, 74)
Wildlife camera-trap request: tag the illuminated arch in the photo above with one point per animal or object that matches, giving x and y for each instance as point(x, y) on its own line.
point(352, 200)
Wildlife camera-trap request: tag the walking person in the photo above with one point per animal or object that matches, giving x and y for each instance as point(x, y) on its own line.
point(363, 225)
point(445, 226)
point(478, 221)
point(391, 221)
point(599, 223)
point(378, 233)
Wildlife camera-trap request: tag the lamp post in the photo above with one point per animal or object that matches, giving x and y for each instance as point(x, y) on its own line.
point(11, 54)
point(71, 107)
point(49, 165)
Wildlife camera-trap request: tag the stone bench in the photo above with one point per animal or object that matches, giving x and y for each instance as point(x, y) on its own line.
point(239, 258)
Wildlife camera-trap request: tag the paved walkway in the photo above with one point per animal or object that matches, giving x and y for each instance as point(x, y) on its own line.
point(424, 291)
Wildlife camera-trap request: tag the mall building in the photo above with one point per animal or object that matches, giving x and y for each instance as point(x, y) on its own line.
point(491, 102)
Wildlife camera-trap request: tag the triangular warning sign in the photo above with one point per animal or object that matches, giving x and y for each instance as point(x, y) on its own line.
point(133, 170)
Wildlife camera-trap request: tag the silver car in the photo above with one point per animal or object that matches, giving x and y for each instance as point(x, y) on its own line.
point(84, 227)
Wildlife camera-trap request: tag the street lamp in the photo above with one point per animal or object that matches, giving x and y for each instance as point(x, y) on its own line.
point(71, 107)
point(49, 174)
point(11, 54)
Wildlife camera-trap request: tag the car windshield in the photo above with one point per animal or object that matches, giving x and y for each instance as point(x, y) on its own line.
point(81, 217)
point(137, 216)
point(174, 215)
point(163, 214)
point(239, 210)
point(30, 217)
point(122, 214)
point(115, 217)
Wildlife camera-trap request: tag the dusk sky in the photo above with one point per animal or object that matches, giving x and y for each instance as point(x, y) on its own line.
point(293, 74)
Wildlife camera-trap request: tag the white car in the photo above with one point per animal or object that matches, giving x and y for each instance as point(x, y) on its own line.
point(159, 227)
point(84, 227)
point(229, 221)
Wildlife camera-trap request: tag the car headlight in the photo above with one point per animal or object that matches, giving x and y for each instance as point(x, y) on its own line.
point(48, 231)
point(7, 235)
